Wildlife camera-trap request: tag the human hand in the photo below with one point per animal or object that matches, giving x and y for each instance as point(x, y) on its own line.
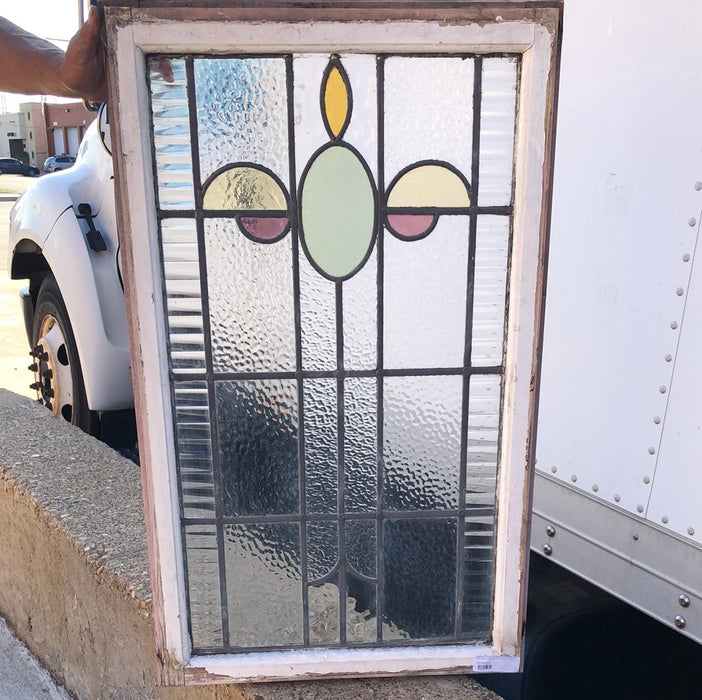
point(83, 69)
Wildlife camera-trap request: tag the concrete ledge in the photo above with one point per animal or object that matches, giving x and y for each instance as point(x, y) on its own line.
point(74, 580)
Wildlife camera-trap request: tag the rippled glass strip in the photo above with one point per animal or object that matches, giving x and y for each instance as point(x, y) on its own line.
point(425, 289)
point(250, 288)
point(264, 584)
point(490, 290)
point(193, 439)
point(242, 113)
point(181, 271)
point(171, 134)
point(422, 442)
point(203, 585)
point(498, 120)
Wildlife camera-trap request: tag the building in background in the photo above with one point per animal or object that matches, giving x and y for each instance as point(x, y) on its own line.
point(41, 129)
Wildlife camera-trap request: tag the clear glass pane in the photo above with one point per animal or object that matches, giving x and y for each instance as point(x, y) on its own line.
point(257, 436)
point(428, 112)
point(360, 444)
point(418, 603)
point(250, 289)
point(242, 113)
point(422, 442)
point(321, 442)
point(264, 586)
point(490, 290)
point(193, 439)
point(181, 271)
point(171, 135)
point(425, 287)
point(203, 585)
point(498, 118)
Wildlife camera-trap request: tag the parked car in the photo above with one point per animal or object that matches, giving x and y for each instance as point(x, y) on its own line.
point(55, 163)
point(12, 166)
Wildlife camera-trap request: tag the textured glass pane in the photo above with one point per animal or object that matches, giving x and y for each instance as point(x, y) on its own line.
point(497, 127)
point(361, 620)
point(257, 435)
point(425, 297)
point(478, 556)
point(171, 135)
point(361, 317)
point(361, 544)
point(428, 112)
point(251, 300)
point(192, 426)
point(181, 273)
point(419, 576)
point(483, 436)
point(317, 319)
point(490, 290)
point(203, 585)
point(322, 549)
point(324, 612)
point(264, 587)
point(360, 445)
point(321, 462)
point(242, 113)
point(422, 442)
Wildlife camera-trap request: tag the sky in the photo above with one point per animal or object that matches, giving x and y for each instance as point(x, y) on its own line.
point(55, 20)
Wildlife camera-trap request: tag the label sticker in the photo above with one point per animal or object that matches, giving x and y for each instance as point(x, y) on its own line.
point(496, 664)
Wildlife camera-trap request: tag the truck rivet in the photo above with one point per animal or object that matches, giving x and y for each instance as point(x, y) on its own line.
point(657, 420)
point(639, 509)
point(674, 324)
point(662, 389)
point(554, 470)
point(668, 358)
point(635, 537)
point(573, 478)
point(691, 531)
point(698, 185)
point(550, 531)
point(647, 480)
point(680, 291)
point(651, 450)
point(664, 519)
point(548, 550)
point(684, 600)
point(691, 221)
point(617, 497)
point(686, 257)
point(595, 488)
point(680, 622)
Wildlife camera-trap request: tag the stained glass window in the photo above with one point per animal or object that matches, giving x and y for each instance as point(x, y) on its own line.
point(335, 237)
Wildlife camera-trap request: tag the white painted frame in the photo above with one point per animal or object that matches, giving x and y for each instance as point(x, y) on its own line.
point(532, 31)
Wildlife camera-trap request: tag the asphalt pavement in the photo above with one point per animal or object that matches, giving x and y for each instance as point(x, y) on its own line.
point(22, 677)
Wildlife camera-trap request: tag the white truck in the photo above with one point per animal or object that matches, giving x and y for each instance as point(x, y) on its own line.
point(618, 487)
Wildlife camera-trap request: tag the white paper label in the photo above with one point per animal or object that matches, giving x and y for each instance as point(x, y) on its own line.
point(496, 664)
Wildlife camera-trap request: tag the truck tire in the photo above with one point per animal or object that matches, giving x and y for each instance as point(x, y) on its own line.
point(58, 378)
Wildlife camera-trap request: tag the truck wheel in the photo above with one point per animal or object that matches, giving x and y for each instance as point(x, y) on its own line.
point(58, 379)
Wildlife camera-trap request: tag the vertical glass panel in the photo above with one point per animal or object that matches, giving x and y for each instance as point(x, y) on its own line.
point(264, 585)
point(422, 442)
point(242, 113)
point(425, 287)
point(360, 445)
point(361, 317)
point(483, 437)
point(498, 118)
point(192, 426)
point(324, 612)
point(361, 546)
point(478, 556)
point(251, 300)
point(361, 620)
point(490, 290)
point(317, 319)
point(321, 440)
point(322, 549)
point(257, 435)
point(419, 576)
point(428, 112)
point(203, 585)
point(181, 274)
point(171, 135)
